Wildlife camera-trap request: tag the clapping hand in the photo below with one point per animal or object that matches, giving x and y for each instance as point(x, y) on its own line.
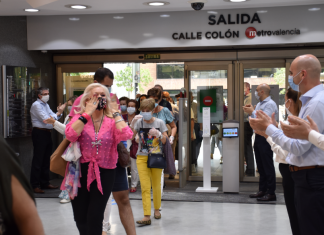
point(260, 123)
point(91, 105)
point(248, 109)
point(61, 108)
point(50, 120)
point(299, 128)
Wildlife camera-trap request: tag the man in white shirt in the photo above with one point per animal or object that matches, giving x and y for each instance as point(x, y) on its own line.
point(305, 159)
point(262, 149)
point(42, 140)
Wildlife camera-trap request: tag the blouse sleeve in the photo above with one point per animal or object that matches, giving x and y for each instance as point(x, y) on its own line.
point(282, 154)
point(60, 127)
point(70, 133)
point(168, 115)
point(125, 134)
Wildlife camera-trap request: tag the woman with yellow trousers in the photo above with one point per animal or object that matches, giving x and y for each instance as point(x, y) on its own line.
point(152, 133)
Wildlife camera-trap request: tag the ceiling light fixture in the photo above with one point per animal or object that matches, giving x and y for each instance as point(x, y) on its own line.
point(212, 12)
point(236, 1)
point(74, 19)
point(156, 4)
point(78, 6)
point(32, 10)
point(118, 17)
point(164, 16)
point(314, 9)
point(262, 11)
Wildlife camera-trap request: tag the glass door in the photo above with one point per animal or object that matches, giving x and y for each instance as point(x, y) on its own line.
point(210, 85)
point(252, 74)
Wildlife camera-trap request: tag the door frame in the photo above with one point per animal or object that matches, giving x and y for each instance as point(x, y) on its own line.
point(203, 66)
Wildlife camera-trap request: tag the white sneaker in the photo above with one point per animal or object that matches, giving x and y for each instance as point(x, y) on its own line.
point(65, 201)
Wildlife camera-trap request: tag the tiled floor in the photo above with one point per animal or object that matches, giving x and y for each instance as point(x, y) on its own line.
point(180, 218)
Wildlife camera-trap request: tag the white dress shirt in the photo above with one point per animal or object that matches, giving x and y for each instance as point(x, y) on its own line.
point(302, 152)
point(41, 111)
point(316, 139)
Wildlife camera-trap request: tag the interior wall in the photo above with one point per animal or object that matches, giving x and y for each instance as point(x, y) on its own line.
point(13, 52)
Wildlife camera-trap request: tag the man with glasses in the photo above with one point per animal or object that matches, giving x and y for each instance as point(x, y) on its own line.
point(42, 140)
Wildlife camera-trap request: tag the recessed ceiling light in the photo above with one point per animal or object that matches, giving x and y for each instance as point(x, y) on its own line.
point(74, 19)
point(78, 6)
point(118, 17)
point(212, 12)
point(147, 34)
point(156, 4)
point(235, 1)
point(31, 10)
point(314, 9)
point(262, 11)
point(164, 16)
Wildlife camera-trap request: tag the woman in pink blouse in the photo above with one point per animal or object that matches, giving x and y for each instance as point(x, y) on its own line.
point(98, 127)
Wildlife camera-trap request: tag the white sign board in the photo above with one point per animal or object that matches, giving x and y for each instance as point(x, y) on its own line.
point(206, 122)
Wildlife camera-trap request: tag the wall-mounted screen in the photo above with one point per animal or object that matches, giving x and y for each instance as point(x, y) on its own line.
point(19, 86)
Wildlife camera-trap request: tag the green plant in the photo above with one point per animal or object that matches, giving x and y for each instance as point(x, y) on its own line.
point(280, 77)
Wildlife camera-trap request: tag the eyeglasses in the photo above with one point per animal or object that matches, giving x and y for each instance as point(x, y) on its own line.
point(45, 94)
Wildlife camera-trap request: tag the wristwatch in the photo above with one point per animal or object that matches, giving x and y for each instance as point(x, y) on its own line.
point(116, 114)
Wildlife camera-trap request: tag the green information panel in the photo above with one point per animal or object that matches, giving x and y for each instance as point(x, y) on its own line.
point(77, 93)
point(208, 99)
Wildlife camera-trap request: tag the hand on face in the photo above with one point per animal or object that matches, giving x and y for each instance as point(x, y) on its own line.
point(91, 105)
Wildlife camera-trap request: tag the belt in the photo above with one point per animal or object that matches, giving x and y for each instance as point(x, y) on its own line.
point(296, 168)
point(43, 129)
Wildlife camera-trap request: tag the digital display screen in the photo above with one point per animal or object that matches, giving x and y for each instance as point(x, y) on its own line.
point(230, 132)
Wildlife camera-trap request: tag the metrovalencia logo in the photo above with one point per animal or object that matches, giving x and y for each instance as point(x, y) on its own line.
point(251, 32)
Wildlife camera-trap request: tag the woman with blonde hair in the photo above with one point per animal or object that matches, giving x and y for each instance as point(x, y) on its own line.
point(98, 127)
point(152, 133)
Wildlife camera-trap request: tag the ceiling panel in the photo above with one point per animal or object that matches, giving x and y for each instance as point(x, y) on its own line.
point(16, 7)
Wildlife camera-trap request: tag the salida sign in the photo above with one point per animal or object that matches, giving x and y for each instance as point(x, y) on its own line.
point(250, 32)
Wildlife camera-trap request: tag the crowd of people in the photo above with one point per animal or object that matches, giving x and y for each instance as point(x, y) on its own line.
point(98, 123)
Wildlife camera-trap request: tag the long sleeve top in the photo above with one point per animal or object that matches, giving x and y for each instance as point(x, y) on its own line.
point(268, 106)
point(41, 111)
point(316, 139)
point(302, 152)
point(60, 127)
point(108, 138)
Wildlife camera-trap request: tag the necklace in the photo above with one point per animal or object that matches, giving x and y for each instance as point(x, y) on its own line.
point(98, 142)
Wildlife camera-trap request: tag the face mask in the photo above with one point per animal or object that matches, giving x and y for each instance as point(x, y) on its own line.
point(147, 115)
point(137, 99)
point(45, 98)
point(292, 84)
point(102, 103)
point(287, 109)
point(131, 110)
point(156, 104)
point(109, 89)
point(256, 95)
point(69, 108)
point(123, 108)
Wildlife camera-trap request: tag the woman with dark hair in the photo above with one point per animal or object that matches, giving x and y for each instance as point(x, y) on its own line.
point(123, 106)
point(292, 106)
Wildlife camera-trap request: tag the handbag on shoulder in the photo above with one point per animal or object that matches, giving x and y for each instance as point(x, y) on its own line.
point(58, 164)
point(123, 155)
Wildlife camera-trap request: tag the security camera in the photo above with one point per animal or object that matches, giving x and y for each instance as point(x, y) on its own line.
point(197, 5)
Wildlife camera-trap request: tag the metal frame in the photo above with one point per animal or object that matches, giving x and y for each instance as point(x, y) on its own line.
point(4, 101)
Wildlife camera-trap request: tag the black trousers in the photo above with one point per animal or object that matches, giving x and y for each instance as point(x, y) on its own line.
point(264, 160)
point(42, 142)
point(309, 200)
point(248, 152)
point(198, 140)
point(289, 194)
point(89, 206)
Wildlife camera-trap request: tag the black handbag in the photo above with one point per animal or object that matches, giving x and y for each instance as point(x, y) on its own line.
point(156, 160)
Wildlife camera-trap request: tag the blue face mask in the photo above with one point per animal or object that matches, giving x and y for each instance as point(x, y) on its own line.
point(109, 89)
point(123, 108)
point(147, 115)
point(292, 84)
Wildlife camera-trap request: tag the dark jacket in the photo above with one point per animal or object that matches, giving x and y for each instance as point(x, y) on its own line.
point(165, 103)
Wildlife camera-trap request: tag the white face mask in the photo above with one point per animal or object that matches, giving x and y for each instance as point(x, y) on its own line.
point(256, 95)
point(131, 110)
point(287, 109)
point(69, 108)
point(45, 98)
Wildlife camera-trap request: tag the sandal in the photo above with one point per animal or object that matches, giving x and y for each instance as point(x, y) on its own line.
point(133, 190)
point(157, 216)
point(142, 222)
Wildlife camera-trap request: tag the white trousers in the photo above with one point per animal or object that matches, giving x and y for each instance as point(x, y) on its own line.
point(105, 222)
point(134, 173)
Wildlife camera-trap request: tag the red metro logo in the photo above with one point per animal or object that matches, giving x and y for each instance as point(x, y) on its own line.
point(250, 32)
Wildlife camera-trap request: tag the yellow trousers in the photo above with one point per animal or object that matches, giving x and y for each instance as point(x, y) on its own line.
point(148, 177)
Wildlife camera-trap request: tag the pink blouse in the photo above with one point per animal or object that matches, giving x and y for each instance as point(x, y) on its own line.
point(109, 137)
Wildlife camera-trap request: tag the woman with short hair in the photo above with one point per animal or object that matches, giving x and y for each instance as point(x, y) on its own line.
point(152, 133)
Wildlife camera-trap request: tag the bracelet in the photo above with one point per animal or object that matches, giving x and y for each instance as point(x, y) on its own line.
point(116, 114)
point(120, 120)
point(86, 116)
point(83, 119)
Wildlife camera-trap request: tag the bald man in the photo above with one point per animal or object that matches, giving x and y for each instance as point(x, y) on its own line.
point(262, 149)
point(306, 160)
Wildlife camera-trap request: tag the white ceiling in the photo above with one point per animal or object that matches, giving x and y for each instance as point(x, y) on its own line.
point(56, 7)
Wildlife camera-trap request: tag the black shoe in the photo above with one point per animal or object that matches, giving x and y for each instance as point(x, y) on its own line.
point(258, 195)
point(267, 198)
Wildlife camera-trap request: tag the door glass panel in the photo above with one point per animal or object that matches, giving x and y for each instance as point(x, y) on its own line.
point(208, 89)
point(275, 78)
point(322, 76)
